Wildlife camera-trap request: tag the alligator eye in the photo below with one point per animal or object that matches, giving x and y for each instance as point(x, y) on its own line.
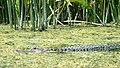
point(34, 48)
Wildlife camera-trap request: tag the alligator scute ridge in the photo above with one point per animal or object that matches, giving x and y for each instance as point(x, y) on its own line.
point(76, 48)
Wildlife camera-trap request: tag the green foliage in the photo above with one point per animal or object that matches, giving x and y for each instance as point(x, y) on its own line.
point(119, 12)
point(18, 6)
point(41, 16)
point(83, 3)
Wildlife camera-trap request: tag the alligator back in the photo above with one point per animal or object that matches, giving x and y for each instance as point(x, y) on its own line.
point(80, 48)
point(75, 48)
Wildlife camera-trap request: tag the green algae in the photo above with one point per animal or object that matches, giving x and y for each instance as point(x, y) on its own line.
point(62, 36)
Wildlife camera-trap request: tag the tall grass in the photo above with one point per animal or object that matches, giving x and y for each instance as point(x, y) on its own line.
point(10, 12)
point(40, 16)
point(119, 12)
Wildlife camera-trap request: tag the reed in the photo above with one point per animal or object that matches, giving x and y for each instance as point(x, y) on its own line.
point(45, 13)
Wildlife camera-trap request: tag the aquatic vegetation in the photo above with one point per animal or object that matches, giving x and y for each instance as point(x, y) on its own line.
point(63, 36)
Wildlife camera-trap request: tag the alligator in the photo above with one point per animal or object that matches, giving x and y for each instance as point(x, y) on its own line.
point(75, 48)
